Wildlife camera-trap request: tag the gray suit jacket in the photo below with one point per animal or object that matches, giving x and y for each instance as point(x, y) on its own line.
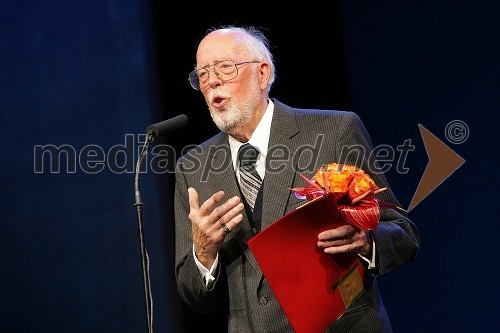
point(301, 140)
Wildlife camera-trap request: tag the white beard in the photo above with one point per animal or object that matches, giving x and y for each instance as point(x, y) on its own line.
point(235, 115)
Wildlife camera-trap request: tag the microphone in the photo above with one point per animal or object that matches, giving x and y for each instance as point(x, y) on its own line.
point(166, 126)
point(154, 130)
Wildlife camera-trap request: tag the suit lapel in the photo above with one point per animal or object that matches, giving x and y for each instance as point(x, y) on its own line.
point(280, 175)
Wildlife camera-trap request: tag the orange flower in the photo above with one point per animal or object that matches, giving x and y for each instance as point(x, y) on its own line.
point(344, 178)
point(361, 184)
point(354, 192)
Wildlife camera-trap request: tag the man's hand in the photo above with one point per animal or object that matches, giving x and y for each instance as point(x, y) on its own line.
point(208, 222)
point(346, 239)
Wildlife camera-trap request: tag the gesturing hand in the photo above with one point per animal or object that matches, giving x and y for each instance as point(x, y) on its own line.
point(211, 223)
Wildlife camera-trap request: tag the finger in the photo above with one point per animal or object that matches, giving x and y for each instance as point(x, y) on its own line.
point(229, 217)
point(354, 244)
point(339, 249)
point(226, 218)
point(229, 226)
point(194, 200)
point(209, 205)
point(225, 230)
point(337, 233)
point(333, 243)
point(223, 209)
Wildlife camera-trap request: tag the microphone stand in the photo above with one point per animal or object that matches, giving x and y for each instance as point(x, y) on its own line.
point(144, 253)
point(153, 131)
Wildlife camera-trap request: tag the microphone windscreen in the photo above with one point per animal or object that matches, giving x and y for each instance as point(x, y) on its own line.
point(166, 126)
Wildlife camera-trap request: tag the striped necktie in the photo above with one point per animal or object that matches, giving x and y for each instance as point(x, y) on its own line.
point(250, 180)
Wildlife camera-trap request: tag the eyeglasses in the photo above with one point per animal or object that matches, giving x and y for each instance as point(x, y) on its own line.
point(225, 70)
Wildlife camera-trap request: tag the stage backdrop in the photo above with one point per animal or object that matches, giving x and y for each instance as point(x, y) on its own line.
point(79, 85)
point(81, 81)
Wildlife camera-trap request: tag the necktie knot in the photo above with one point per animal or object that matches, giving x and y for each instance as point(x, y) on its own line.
point(247, 155)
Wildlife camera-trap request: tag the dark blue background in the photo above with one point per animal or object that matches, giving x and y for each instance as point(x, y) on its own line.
point(82, 73)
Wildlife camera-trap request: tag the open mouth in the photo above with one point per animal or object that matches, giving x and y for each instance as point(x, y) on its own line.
point(218, 101)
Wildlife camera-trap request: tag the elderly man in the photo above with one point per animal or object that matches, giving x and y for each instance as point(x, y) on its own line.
point(229, 188)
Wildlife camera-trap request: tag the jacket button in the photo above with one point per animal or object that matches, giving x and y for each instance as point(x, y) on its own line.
point(263, 300)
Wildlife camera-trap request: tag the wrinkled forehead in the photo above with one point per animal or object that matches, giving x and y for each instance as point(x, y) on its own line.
point(221, 45)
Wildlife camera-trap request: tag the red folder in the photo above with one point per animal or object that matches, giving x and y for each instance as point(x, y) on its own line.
point(313, 288)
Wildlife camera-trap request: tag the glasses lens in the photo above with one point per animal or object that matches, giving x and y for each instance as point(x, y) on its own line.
point(226, 70)
point(193, 79)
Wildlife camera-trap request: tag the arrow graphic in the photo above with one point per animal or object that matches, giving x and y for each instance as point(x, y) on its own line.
point(443, 161)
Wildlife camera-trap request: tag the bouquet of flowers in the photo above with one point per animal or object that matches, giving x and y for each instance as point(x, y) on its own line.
point(354, 192)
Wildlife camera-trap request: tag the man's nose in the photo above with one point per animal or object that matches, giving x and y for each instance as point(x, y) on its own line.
point(213, 78)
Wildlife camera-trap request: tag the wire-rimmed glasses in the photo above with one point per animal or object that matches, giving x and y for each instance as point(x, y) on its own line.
point(225, 70)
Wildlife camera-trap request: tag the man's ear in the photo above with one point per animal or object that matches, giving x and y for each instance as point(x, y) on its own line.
point(264, 74)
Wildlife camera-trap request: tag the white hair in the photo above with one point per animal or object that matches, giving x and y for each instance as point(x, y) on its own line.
point(257, 45)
